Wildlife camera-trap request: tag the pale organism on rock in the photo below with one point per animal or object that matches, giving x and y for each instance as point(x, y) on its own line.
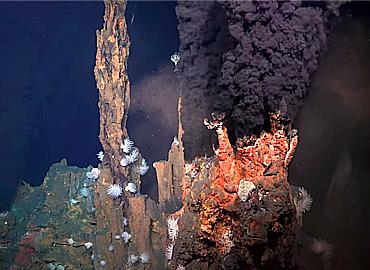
point(133, 259)
point(114, 191)
point(131, 187)
point(143, 167)
point(245, 187)
point(4, 214)
point(100, 155)
point(126, 237)
point(175, 141)
point(124, 221)
point(132, 157)
point(70, 241)
point(175, 58)
point(169, 251)
point(172, 228)
point(74, 201)
point(144, 258)
point(127, 145)
point(124, 161)
point(88, 245)
point(93, 174)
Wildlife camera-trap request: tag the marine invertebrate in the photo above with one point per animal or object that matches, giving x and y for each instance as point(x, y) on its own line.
point(144, 258)
point(321, 247)
point(127, 145)
point(175, 58)
point(131, 187)
point(125, 221)
point(133, 259)
point(227, 241)
point(88, 245)
point(169, 251)
point(93, 174)
point(114, 190)
point(124, 161)
point(126, 237)
point(70, 241)
point(245, 187)
point(175, 141)
point(303, 202)
point(143, 167)
point(100, 155)
point(132, 157)
point(172, 228)
point(180, 267)
point(84, 192)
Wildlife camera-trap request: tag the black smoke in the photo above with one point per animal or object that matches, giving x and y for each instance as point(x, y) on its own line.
point(247, 59)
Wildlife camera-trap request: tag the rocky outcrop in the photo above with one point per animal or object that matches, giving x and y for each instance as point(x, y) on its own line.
point(227, 225)
point(133, 217)
point(50, 224)
point(170, 173)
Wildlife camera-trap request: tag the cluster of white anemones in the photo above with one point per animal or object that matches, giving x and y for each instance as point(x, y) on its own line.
point(144, 258)
point(131, 155)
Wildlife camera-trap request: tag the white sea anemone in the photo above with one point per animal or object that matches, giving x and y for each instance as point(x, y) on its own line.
point(180, 267)
point(133, 258)
point(321, 247)
point(175, 58)
point(173, 228)
point(169, 251)
point(127, 145)
point(144, 258)
point(303, 202)
point(114, 191)
point(125, 221)
point(100, 155)
point(124, 161)
point(143, 167)
point(93, 174)
point(175, 141)
point(126, 237)
point(88, 245)
point(131, 187)
point(132, 157)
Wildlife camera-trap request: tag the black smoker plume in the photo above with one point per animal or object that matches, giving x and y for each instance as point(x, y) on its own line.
point(247, 59)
